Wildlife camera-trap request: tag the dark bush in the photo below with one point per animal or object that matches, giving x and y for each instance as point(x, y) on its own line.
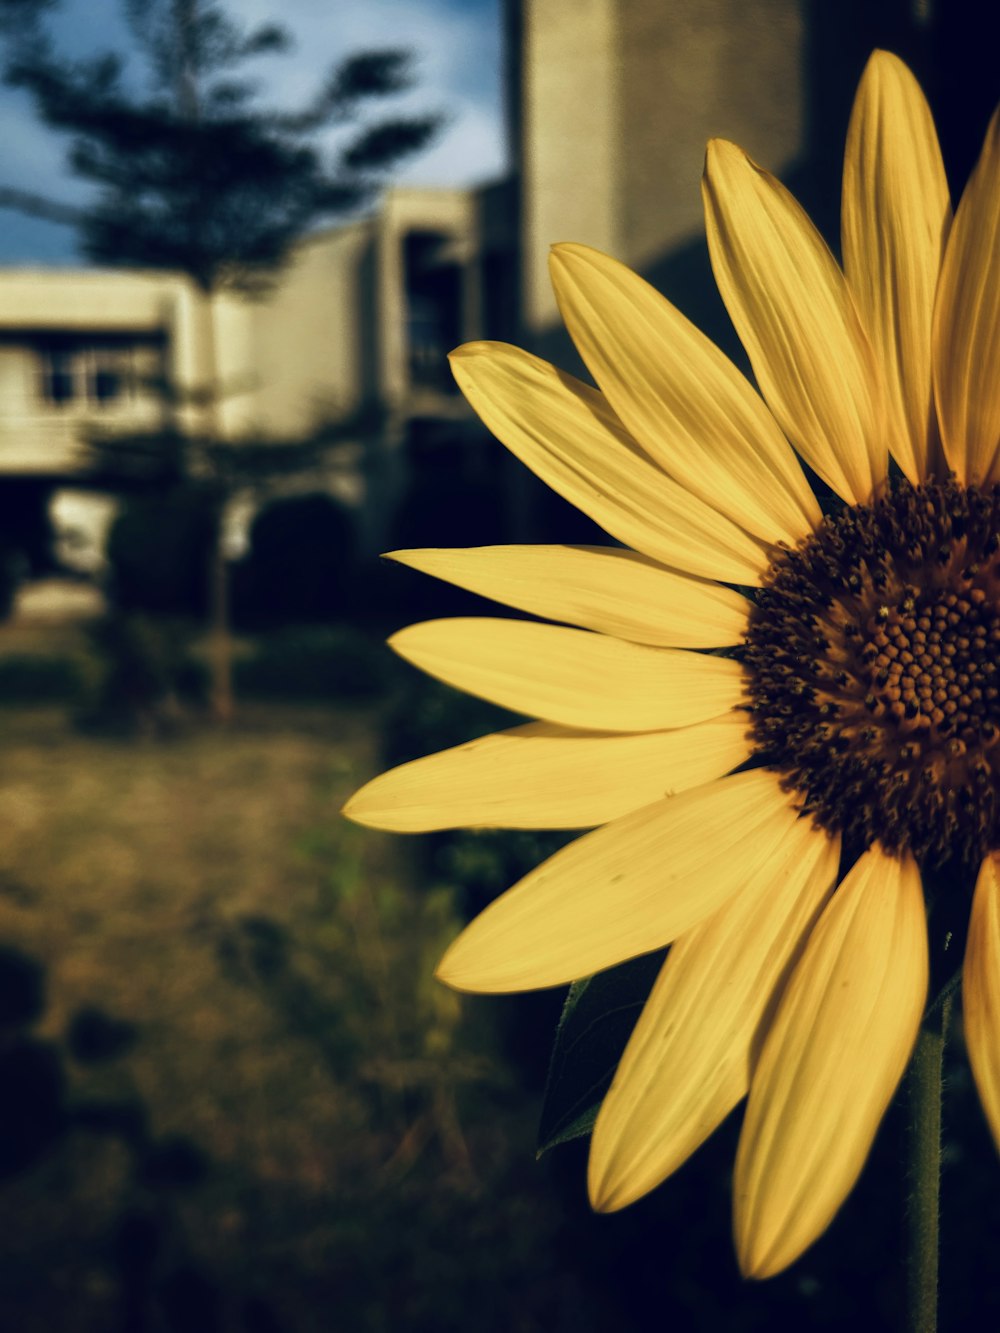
point(159, 551)
point(302, 554)
point(145, 674)
point(26, 535)
point(444, 505)
point(22, 988)
point(94, 1036)
point(315, 663)
point(32, 1110)
point(32, 679)
point(12, 568)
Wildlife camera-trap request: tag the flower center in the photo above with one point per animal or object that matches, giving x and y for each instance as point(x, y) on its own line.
point(874, 684)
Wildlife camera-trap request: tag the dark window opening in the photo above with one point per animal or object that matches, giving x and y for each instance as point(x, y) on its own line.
point(58, 385)
point(433, 310)
point(84, 373)
point(499, 277)
point(105, 382)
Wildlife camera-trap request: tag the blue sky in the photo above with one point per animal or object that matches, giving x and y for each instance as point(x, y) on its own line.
point(457, 49)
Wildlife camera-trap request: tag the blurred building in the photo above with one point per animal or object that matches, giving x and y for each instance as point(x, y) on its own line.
point(348, 351)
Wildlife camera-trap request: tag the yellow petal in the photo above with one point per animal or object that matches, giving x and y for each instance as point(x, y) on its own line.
point(681, 398)
point(688, 1061)
point(626, 888)
point(831, 1062)
point(981, 991)
point(967, 325)
point(617, 592)
point(572, 676)
point(796, 318)
point(541, 776)
point(896, 214)
point(570, 438)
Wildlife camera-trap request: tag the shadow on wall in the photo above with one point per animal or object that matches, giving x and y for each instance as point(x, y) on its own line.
point(955, 62)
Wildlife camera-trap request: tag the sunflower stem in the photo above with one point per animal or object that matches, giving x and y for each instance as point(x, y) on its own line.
point(924, 1171)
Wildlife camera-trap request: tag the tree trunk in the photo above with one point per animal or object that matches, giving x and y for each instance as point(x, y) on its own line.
point(220, 639)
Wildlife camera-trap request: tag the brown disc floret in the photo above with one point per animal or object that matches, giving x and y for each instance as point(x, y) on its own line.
point(873, 655)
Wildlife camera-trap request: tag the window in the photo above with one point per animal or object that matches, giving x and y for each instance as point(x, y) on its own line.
point(58, 377)
point(85, 374)
point(433, 294)
point(106, 379)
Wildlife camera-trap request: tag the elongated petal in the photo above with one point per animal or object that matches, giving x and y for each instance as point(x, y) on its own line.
point(831, 1062)
point(681, 398)
point(688, 1061)
point(796, 318)
point(570, 438)
point(541, 776)
point(627, 888)
point(967, 325)
point(981, 991)
point(617, 592)
point(895, 217)
point(572, 676)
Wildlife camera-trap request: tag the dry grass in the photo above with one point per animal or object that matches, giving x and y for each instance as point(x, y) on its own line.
point(276, 965)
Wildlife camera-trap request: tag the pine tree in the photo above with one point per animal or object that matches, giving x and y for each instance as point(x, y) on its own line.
point(191, 174)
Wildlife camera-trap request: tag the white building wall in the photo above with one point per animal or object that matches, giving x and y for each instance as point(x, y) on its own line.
point(618, 100)
point(570, 149)
point(296, 359)
point(41, 437)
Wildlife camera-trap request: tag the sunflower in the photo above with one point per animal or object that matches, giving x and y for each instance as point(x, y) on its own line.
point(780, 725)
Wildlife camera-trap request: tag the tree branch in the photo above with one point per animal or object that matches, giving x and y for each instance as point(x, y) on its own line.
point(37, 206)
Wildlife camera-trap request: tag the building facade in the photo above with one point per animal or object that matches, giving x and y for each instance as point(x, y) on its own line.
point(609, 103)
point(347, 350)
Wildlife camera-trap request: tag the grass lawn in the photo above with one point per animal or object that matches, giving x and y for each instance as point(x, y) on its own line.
point(241, 1101)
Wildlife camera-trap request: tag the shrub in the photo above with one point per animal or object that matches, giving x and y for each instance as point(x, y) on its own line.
point(300, 565)
point(159, 548)
point(315, 663)
point(30, 678)
point(145, 674)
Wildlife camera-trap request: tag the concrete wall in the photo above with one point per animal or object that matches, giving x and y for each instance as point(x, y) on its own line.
point(86, 299)
point(571, 159)
point(619, 98)
point(691, 70)
point(296, 360)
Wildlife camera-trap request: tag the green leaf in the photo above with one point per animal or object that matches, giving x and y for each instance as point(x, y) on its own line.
point(596, 1023)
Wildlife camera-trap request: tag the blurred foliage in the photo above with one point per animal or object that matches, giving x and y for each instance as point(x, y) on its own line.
point(35, 679)
point(12, 570)
point(158, 554)
point(26, 537)
point(243, 1102)
point(243, 1095)
point(594, 1027)
point(158, 550)
point(300, 564)
point(25, 524)
point(314, 663)
point(145, 674)
point(191, 172)
point(132, 672)
point(425, 716)
point(148, 673)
